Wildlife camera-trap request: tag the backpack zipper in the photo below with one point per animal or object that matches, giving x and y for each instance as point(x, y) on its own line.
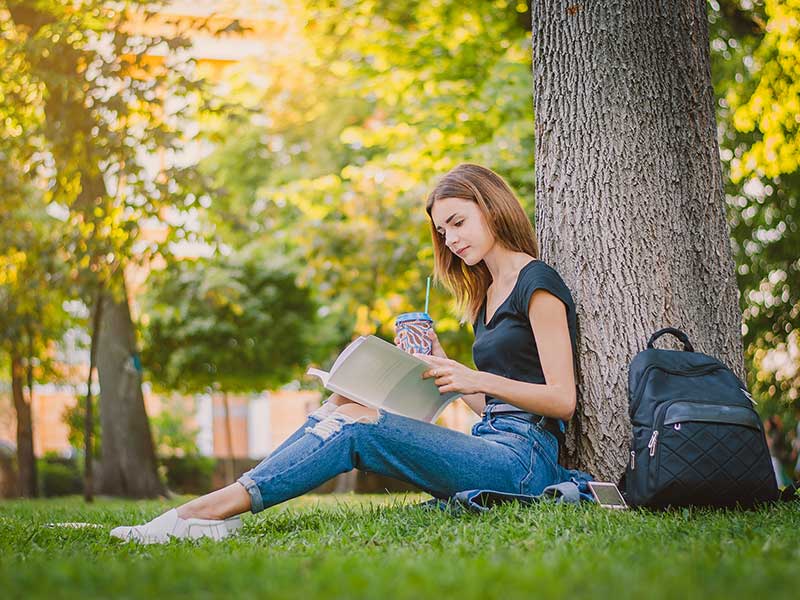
point(633, 460)
point(652, 443)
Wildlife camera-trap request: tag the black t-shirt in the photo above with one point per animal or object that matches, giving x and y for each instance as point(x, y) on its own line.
point(506, 346)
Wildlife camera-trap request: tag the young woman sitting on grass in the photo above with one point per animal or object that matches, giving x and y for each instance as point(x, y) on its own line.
point(524, 389)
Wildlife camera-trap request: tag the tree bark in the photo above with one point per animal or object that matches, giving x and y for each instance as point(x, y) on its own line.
point(629, 200)
point(26, 460)
point(128, 461)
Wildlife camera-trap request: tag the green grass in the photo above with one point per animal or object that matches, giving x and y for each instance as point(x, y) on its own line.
point(385, 547)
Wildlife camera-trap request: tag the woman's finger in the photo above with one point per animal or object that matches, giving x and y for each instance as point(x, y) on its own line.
point(442, 375)
point(438, 373)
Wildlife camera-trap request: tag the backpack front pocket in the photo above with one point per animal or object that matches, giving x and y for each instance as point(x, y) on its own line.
point(703, 452)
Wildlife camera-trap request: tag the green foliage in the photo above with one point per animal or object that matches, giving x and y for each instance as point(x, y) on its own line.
point(333, 156)
point(74, 418)
point(770, 103)
point(236, 323)
point(756, 68)
point(58, 476)
point(172, 435)
point(100, 111)
point(34, 283)
point(383, 547)
point(190, 474)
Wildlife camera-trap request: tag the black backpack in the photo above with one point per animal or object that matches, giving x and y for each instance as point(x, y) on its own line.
point(696, 438)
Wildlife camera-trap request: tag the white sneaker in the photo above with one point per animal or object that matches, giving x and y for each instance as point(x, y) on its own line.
point(233, 524)
point(169, 525)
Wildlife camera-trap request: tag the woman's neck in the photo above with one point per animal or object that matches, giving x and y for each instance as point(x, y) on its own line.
point(504, 265)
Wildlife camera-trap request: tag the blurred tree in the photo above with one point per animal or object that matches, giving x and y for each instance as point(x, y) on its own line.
point(337, 148)
point(173, 436)
point(33, 282)
point(236, 323)
point(106, 112)
point(33, 288)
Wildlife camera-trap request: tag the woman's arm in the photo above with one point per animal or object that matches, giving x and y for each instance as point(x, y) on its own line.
point(477, 402)
point(556, 398)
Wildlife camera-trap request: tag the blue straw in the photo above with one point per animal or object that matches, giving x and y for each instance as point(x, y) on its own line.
point(427, 294)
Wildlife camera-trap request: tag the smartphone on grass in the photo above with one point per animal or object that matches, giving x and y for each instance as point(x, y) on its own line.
point(607, 495)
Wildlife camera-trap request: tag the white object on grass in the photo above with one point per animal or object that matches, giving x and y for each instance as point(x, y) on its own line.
point(169, 525)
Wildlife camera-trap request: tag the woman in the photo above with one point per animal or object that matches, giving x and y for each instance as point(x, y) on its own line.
point(524, 389)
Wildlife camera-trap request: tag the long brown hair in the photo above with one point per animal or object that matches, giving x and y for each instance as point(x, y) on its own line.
point(505, 218)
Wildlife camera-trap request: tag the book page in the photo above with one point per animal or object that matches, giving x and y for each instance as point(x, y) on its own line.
point(351, 347)
point(322, 375)
point(417, 397)
point(379, 374)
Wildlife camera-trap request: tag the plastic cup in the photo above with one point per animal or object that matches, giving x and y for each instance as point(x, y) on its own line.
point(412, 332)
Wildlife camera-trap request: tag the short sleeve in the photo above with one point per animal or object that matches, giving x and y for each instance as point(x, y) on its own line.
point(541, 276)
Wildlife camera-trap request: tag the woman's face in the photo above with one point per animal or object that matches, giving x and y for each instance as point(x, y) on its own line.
point(463, 228)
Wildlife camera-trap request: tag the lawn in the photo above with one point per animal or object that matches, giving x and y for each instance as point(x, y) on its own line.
point(386, 547)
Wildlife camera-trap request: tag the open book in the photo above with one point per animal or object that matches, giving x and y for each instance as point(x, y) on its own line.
point(378, 374)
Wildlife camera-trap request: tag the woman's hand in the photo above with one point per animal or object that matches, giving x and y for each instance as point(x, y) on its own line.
point(437, 349)
point(451, 376)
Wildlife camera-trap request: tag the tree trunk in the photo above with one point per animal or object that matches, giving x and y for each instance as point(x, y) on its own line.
point(128, 462)
point(88, 431)
point(629, 200)
point(26, 460)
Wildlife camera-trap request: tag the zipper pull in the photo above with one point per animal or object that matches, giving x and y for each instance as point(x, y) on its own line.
point(652, 443)
point(633, 460)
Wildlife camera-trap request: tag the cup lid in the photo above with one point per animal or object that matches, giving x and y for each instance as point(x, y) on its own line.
point(413, 316)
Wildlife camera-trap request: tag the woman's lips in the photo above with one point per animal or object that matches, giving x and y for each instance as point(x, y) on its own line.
point(461, 252)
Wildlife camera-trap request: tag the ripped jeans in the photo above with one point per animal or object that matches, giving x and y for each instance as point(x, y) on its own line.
point(504, 453)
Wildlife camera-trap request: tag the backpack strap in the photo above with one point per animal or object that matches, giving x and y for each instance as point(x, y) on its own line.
point(687, 345)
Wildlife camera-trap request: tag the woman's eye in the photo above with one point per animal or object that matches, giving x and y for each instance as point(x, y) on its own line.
point(458, 224)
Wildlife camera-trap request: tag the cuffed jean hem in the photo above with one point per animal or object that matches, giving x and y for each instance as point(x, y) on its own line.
point(256, 501)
